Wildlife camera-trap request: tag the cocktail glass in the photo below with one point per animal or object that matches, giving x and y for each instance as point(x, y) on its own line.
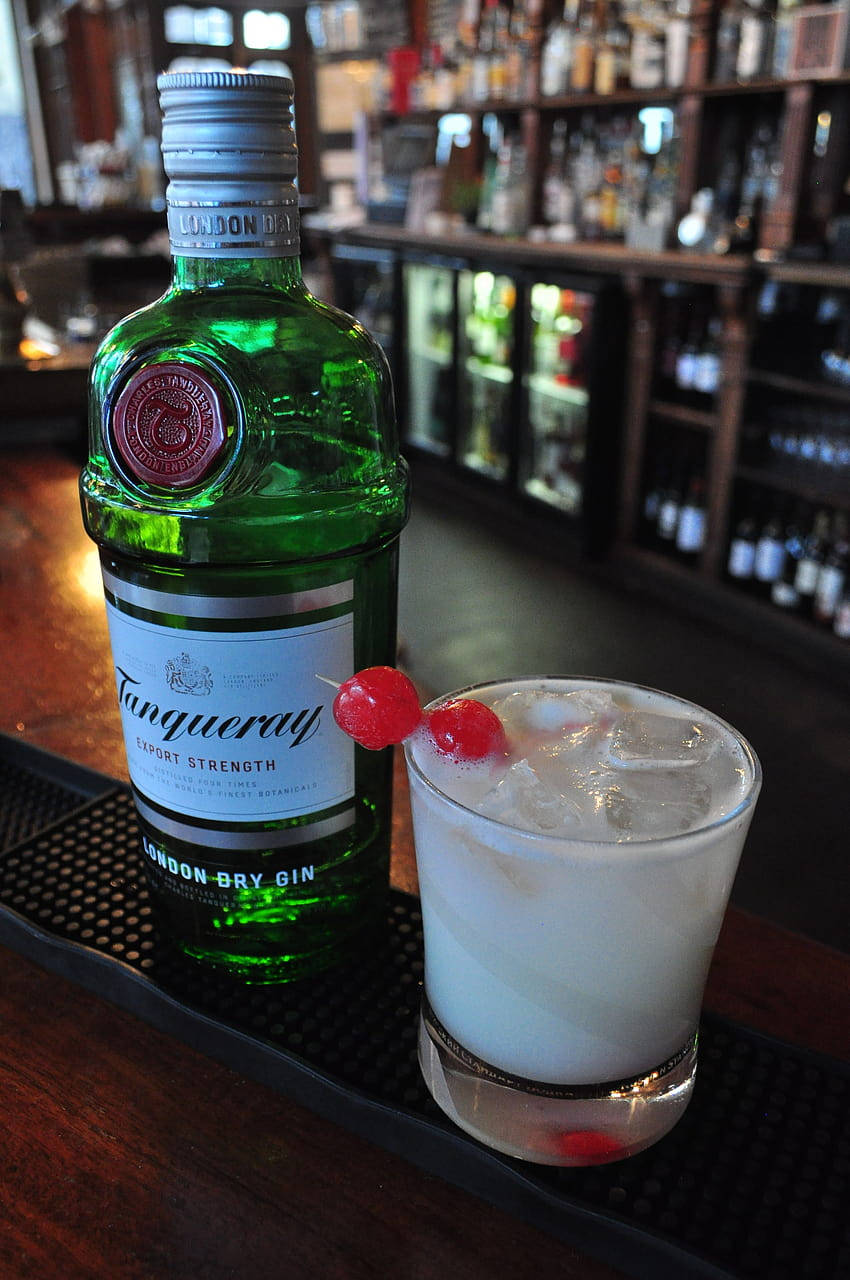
point(564, 975)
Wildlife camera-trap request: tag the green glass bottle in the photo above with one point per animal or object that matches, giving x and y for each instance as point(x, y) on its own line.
point(246, 492)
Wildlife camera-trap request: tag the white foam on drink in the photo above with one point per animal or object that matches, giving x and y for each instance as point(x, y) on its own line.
point(600, 764)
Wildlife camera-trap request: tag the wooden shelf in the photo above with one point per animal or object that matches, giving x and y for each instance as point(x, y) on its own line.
point(830, 275)
point(684, 415)
point(799, 386)
point(815, 489)
point(620, 97)
point(588, 256)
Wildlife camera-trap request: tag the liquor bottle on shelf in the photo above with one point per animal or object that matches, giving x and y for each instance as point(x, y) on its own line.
point(770, 553)
point(497, 66)
point(783, 38)
point(834, 573)
point(669, 510)
point(706, 378)
point(485, 44)
point(556, 55)
point(611, 56)
point(741, 562)
point(691, 525)
point(647, 53)
point(783, 591)
point(559, 212)
point(811, 561)
point(677, 32)
point(245, 489)
point(728, 41)
point(510, 201)
point(755, 49)
point(652, 497)
point(841, 621)
point(583, 50)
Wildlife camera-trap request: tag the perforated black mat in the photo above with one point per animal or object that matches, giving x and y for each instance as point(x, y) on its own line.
point(753, 1181)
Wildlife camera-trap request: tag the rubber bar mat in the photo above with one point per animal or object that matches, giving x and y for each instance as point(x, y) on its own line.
point(753, 1182)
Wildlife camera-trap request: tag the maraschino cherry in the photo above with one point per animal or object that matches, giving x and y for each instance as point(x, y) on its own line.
point(589, 1146)
point(466, 730)
point(377, 707)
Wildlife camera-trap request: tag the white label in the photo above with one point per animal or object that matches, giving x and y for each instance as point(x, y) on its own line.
point(806, 578)
point(690, 535)
point(228, 723)
point(841, 626)
point(770, 557)
point(707, 372)
point(830, 584)
point(742, 558)
point(668, 518)
point(685, 369)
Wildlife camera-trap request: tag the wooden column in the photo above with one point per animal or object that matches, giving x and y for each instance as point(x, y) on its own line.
point(643, 295)
point(735, 341)
point(779, 221)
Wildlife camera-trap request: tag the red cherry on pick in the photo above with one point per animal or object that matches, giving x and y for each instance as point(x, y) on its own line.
point(466, 730)
point(377, 707)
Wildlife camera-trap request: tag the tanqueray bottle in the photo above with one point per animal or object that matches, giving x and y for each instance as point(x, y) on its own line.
point(246, 492)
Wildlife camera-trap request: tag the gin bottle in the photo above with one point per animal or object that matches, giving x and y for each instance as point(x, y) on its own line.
point(245, 489)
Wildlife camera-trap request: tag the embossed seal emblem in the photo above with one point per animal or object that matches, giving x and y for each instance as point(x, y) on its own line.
point(168, 425)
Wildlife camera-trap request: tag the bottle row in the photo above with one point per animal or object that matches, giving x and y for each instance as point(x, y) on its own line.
point(481, 51)
point(804, 332)
point(802, 437)
point(797, 558)
point(674, 510)
point(615, 178)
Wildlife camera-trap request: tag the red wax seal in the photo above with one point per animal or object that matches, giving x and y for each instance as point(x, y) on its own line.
point(168, 425)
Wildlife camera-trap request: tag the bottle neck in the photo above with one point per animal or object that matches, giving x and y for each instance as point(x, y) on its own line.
point(189, 273)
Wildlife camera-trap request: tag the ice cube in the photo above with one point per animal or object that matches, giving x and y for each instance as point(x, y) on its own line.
point(664, 803)
point(646, 740)
point(549, 711)
point(522, 799)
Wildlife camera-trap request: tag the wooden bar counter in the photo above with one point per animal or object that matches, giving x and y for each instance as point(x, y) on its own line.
point(126, 1154)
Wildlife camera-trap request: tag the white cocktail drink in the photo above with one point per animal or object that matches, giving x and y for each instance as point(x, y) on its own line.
point(572, 895)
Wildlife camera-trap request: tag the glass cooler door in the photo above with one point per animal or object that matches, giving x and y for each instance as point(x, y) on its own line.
point(556, 383)
point(429, 293)
point(364, 286)
point(486, 337)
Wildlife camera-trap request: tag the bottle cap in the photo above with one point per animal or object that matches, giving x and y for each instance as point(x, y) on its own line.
point(229, 150)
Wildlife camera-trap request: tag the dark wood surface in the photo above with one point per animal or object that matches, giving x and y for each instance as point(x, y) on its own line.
point(128, 1155)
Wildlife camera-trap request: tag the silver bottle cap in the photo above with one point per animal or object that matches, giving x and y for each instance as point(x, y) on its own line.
point(229, 150)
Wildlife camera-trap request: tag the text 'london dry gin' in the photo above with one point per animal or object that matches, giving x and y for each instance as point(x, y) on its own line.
point(246, 492)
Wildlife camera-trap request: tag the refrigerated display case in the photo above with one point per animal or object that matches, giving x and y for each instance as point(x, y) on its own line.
point(556, 375)
point(486, 374)
point(511, 390)
point(429, 364)
point(365, 286)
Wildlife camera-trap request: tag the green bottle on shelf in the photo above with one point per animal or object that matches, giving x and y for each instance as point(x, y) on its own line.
point(245, 489)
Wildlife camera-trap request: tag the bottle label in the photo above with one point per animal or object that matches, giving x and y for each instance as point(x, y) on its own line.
point(217, 229)
point(668, 518)
point(168, 425)
point(806, 578)
point(690, 534)
point(770, 557)
point(742, 558)
point(226, 719)
point(841, 626)
point(828, 594)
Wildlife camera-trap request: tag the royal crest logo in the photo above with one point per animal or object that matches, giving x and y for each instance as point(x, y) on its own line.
point(184, 675)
